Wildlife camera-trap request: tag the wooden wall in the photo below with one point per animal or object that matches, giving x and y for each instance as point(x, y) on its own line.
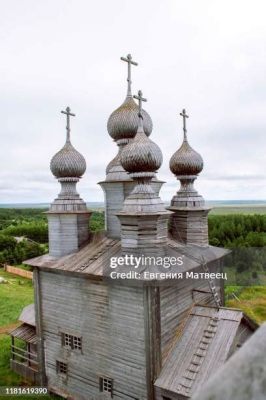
point(110, 321)
point(176, 302)
point(67, 232)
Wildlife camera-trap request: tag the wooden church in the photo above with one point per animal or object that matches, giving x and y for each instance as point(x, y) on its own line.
point(133, 339)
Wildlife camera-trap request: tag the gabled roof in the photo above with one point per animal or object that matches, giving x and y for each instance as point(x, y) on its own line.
point(204, 345)
point(28, 315)
point(243, 376)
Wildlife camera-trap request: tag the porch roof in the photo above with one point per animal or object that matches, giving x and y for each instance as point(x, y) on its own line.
point(25, 332)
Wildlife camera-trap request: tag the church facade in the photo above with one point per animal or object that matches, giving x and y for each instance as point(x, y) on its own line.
point(133, 339)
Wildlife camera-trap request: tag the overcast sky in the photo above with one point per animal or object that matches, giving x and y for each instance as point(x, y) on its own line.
point(205, 55)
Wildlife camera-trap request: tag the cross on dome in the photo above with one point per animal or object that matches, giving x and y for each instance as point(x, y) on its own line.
point(130, 62)
point(184, 115)
point(140, 100)
point(68, 115)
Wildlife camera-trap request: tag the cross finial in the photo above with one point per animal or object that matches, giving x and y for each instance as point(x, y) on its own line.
point(184, 115)
point(140, 99)
point(130, 62)
point(68, 114)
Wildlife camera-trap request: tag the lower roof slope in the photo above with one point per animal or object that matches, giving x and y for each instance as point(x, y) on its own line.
point(204, 345)
point(243, 377)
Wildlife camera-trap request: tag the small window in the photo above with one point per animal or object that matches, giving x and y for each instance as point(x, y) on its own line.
point(61, 367)
point(67, 340)
point(72, 342)
point(106, 385)
point(76, 343)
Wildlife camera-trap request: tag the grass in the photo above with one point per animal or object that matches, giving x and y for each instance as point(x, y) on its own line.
point(14, 295)
point(252, 300)
point(7, 376)
point(13, 298)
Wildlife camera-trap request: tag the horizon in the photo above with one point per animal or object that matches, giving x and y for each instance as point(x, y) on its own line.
point(220, 201)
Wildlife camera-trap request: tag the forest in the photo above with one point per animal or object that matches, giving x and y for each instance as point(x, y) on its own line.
point(24, 233)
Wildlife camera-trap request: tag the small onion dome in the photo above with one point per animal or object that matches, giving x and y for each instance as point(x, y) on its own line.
point(141, 155)
point(123, 122)
point(68, 163)
point(186, 161)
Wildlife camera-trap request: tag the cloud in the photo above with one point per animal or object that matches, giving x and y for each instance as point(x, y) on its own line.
point(207, 56)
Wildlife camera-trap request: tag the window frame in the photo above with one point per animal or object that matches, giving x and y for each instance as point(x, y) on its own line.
point(61, 365)
point(74, 342)
point(106, 382)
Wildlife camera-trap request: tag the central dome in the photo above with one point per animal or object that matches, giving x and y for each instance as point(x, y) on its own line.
point(68, 163)
point(123, 122)
point(141, 155)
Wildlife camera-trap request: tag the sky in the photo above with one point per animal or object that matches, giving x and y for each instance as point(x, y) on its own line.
point(207, 56)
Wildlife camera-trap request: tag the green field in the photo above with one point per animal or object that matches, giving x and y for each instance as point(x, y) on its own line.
point(238, 209)
point(252, 300)
point(14, 295)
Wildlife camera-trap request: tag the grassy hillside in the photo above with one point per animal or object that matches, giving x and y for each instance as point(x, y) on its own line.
point(14, 295)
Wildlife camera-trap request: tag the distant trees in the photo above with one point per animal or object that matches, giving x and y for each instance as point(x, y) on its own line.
point(97, 221)
point(13, 252)
point(36, 231)
point(246, 236)
point(30, 224)
point(237, 230)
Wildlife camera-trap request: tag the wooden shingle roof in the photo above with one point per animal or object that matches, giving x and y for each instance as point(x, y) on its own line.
point(25, 332)
point(204, 346)
point(93, 260)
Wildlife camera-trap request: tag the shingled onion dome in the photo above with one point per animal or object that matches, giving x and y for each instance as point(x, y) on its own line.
point(141, 155)
point(68, 162)
point(186, 164)
point(186, 161)
point(123, 122)
point(141, 158)
point(68, 165)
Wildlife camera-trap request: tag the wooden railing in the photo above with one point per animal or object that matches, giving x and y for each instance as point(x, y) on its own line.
point(24, 356)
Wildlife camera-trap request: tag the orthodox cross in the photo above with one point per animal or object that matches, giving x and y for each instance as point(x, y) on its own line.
point(140, 99)
point(68, 114)
point(130, 62)
point(184, 115)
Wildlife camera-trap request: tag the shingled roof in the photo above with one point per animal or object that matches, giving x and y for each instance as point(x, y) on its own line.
point(205, 344)
point(93, 260)
point(243, 377)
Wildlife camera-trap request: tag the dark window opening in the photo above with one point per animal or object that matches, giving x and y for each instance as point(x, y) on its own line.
point(106, 385)
point(61, 367)
point(72, 342)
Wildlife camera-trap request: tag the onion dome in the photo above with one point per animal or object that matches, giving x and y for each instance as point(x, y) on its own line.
point(186, 161)
point(68, 162)
point(141, 155)
point(123, 122)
